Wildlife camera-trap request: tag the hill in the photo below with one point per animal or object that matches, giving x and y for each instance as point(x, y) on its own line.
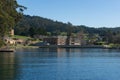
point(31, 25)
point(48, 25)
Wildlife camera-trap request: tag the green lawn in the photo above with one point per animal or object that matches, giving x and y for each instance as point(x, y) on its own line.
point(21, 37)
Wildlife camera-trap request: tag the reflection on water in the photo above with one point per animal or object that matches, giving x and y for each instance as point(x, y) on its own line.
point(70, 52)
point(60, 64)
point(7, 66)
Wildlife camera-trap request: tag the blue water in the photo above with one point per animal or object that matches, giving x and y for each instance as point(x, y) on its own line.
point(60, 64)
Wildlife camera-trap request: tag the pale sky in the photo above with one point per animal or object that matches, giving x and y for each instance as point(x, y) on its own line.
point(92, 13)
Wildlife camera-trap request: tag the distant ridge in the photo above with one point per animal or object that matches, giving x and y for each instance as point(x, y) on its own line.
point(56, 27)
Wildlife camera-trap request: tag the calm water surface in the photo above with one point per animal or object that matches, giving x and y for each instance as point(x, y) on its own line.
point(60, 64)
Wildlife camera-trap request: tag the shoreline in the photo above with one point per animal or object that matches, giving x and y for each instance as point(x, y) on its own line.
point(14, 48)
point(64, 46)
point(78, 46)
point(69, 46)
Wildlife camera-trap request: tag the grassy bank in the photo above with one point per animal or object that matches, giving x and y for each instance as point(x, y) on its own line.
point(21, 37)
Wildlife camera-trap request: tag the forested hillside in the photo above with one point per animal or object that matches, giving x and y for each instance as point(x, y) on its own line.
point(35, 25)
point(44, 25)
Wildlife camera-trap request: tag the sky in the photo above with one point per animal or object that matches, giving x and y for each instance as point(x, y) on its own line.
point(92, 13)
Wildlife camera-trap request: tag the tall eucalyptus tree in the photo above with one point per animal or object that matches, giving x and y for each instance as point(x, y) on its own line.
point(10, 14)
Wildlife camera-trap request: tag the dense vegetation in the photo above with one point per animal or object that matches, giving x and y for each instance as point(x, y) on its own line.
point(35, 25)
point(10, 14)
point(46, 25)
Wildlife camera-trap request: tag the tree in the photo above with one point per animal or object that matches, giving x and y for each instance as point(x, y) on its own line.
point(10, 14)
